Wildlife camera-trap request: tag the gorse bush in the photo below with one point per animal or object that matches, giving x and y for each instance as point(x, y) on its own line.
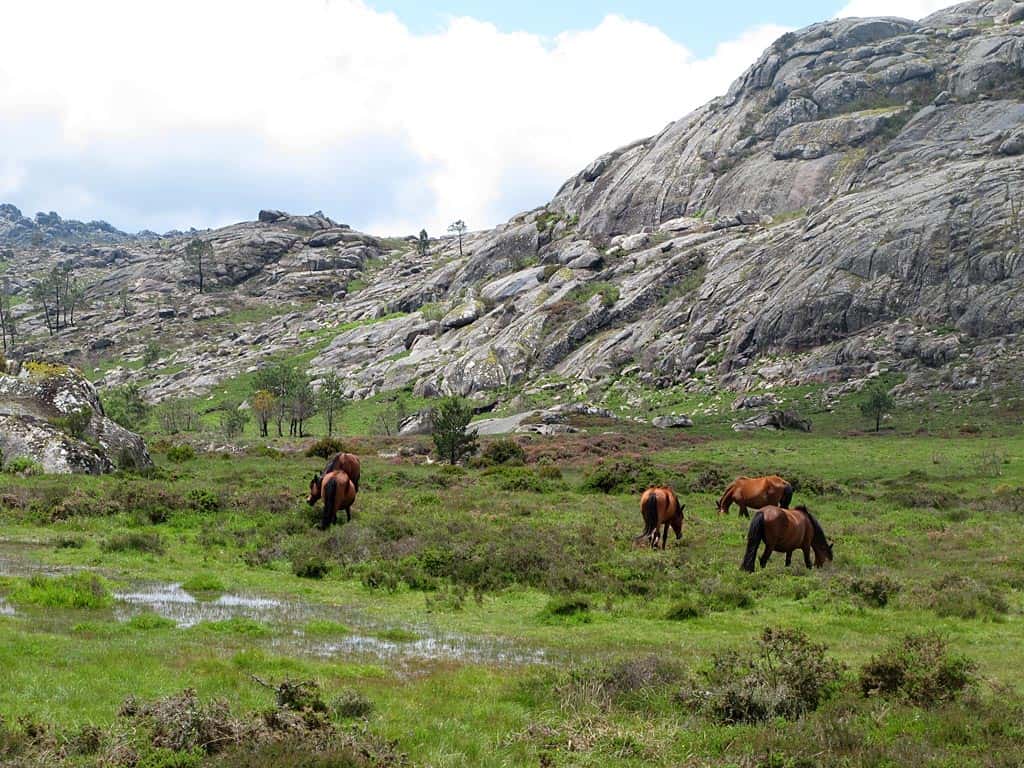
point(326, 447)
point(965, 598)
point(504, 451)
point(875, 590)
point(919, 669)
point(785, 675)
point(75, 423)
point(181, 453)
point(622, 476)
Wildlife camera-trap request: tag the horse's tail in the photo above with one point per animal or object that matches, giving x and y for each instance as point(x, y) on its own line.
point(754, 537)
point(787, 496)
point(330, 492)
point(649, 508)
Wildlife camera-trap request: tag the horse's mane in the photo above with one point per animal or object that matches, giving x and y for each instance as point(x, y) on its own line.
point(819, 539)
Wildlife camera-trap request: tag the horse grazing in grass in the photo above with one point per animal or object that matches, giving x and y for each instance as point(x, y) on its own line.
point(786, 530)
point(338, 491)
point(347, 463)
point(660, 506)
point(755, 492)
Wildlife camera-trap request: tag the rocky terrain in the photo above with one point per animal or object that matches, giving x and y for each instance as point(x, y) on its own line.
point(854, 203)
point(51, 417)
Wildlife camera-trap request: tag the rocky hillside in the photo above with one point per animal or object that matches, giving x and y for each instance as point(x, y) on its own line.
point(854, 203)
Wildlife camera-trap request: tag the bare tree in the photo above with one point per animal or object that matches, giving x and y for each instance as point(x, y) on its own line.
point(198, 254)
point(459, 228)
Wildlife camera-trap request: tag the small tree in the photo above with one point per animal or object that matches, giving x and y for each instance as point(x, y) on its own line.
point(263, 405)
point(232, 420)
point(123, 300)
point(424, 243)
point(7, 327)
point(198, 254)
point(459, 228)
point(331, 398)
point(453, 439)
point(875, 404)
point(126, 406)
point(303, 406)
point(393, 414)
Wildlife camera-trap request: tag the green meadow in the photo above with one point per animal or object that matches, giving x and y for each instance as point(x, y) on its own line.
point(502, 615)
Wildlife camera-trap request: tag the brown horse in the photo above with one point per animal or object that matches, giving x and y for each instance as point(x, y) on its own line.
point(660, 506)
point(339, 492)
point(755, 492)
point(786, 530)
point(347, 463)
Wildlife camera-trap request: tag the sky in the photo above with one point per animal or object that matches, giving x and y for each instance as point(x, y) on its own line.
point(388, 115)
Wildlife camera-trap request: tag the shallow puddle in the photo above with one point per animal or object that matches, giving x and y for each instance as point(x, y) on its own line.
point(368, 639)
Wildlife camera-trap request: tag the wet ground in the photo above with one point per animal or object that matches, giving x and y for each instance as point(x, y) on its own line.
point(368, 639)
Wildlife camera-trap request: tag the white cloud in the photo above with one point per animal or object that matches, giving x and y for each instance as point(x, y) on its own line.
point(907, 9)
point(137, 85)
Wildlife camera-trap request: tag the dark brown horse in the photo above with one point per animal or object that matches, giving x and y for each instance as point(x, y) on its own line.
point(338, 491)
point(755, 492)
point(347, 463)
point(786, 530)
point(660, 506)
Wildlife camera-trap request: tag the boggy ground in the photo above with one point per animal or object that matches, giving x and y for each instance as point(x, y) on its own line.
point(502, 615)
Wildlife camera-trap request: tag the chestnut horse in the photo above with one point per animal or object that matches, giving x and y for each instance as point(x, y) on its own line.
point(786, 530)
point(339, 492)
point(660, 506)
point(755, 492)
point(347, 463)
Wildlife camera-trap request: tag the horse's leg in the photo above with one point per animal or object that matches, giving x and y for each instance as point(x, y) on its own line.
point(767, 554)
point(348, 514)
point(664, 537)
point(789, 558)
point(743, 511)
point(807, 556)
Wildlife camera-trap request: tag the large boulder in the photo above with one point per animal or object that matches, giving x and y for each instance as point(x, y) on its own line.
point(51, 415)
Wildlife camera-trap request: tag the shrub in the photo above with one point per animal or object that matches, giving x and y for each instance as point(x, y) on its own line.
point(310, 567)
point(75, 423)
point(204, 501)
point(181, 453)
point(126, 406)
point(232, 420)
point(549, 472)
point(135, 541)
point(350, 703)
point(623, 476)
point(77, 590)
point(23, 465)
point(572, 608)
point(875, 590)
point(504, 451)
point(965, 598)
point(685, 609)
point(918, 669)
point(326, 447)
point(785, 676)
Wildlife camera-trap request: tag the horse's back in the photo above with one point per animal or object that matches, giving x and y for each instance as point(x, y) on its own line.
point(347, 463)
point(345, 488)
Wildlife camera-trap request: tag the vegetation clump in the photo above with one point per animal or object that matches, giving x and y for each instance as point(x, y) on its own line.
point(785, 676)
point(326, 447)
point(135, 541)
point(453, 440)
point(919, 669)
point(76, 590)
point(504, 451)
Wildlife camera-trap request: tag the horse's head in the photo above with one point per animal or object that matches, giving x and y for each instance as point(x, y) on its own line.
point(823, 553)
point(314, 489)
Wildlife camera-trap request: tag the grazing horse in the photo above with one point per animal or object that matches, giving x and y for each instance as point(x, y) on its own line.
point(786, 530)
point(339, 492)
point(755, 492)
point(660, 506)
point(347, 463)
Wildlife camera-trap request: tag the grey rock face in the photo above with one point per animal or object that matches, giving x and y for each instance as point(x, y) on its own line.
point(31, 406)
